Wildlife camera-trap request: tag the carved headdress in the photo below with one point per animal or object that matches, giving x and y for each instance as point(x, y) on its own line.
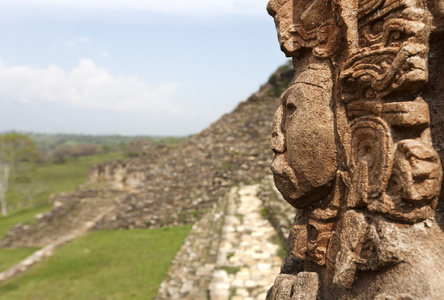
point(305, 25)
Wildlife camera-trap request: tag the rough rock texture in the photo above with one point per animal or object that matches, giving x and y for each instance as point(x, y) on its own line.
point(433, 93)
point(168, 185)
point(358, 138)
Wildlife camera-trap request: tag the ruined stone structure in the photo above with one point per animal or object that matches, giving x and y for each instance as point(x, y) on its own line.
point(211, 180)
point(357, 139)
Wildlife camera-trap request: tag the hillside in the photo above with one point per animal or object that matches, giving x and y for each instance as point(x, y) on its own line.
point(168, 185)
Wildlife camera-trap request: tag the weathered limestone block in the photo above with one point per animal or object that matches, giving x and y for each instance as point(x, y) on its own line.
point(358, 141)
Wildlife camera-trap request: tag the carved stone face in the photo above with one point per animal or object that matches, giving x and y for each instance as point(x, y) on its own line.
point(303, 136)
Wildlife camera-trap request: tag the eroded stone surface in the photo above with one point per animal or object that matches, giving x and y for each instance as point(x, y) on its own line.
point(354, 151)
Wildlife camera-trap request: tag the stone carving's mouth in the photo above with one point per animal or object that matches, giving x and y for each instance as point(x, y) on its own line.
point(285, 178)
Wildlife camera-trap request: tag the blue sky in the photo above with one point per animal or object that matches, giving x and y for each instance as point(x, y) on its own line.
point(132, 67)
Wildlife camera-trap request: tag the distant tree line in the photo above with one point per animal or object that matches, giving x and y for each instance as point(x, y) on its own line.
point(61, 153)
point(60, 147)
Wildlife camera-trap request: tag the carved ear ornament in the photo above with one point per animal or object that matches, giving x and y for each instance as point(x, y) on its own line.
point(372, 152)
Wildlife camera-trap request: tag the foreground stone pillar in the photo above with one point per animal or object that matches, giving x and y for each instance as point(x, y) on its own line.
point(357, 140)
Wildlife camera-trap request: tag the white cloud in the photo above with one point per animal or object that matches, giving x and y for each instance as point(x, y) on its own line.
point(86, 86)
point(175, 7)
point(103, 54)
point(78, 40)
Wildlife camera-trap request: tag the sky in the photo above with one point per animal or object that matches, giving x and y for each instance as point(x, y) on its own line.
point(133, 67)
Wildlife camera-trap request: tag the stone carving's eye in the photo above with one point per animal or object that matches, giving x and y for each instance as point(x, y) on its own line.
point(395, 37)
point(291, 108)
point(377, 27)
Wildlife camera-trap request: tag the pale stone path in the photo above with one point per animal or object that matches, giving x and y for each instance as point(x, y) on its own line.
point(247, 262)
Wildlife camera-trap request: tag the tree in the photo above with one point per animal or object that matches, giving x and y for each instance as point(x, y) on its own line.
point(60, 154)
point(30, 190)
point(14, 147)
point(136, 148)
point(83, 150)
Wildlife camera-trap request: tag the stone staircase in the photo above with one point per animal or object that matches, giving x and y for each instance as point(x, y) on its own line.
point(232, 253)
point(70, 212)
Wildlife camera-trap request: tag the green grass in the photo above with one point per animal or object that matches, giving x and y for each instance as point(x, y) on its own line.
point(53, 178)
point(9, 257)
point(230, 270)
point(282, 250)
point(103, 265)
point(21, 216)
point(56, 178)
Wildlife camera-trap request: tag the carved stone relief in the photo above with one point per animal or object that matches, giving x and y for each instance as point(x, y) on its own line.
point(354, 152)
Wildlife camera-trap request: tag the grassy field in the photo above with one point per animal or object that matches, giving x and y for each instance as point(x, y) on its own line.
point(102, 265)
point(52, 178)
point(9, 257)
point(21, 216)
point(56, 178)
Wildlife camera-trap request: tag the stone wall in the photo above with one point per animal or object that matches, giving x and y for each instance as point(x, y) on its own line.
point(130, 174)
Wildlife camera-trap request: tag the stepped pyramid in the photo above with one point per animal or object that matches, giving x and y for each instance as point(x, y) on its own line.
point(167, 186)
